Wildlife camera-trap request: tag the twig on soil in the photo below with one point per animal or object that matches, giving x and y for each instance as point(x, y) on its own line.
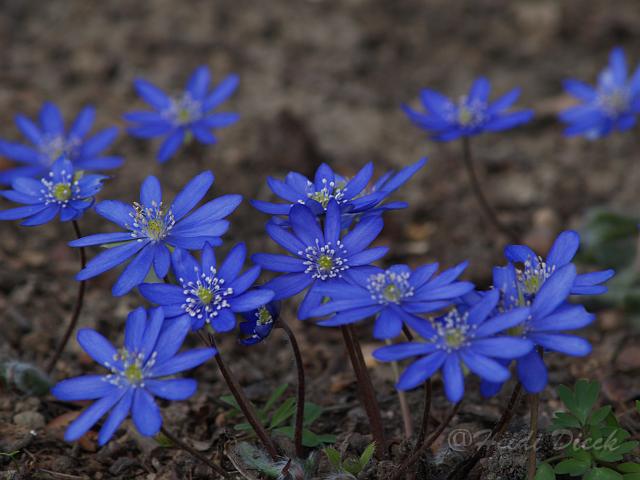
point(533, 428)
point(76, 309)
point(187, 448)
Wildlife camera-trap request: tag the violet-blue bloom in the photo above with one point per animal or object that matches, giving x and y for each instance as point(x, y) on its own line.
point(393, 296)
point(143, 369)
point(152, 226)
point(207, 293)
point(351, 195)
point(461, 339)
point(259, 323)
point(473, 114)
point(61, 192)
point(49, 141)
point(613, 104)
point(317, 257)
point(179, 119)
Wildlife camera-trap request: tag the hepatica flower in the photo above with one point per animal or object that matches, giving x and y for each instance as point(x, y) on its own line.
point(351, 195)
point(141, 370)
point(206, 293)
point(317, 257)
point(259, 323)
point(61, 192)
point(392, 296)
point(180, 118)
point(49, 141)
point(613, 104)
point(461, 339)
point(153, 226)
point(472, 114)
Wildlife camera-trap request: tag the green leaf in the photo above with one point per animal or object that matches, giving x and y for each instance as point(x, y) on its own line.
point(283, 412)
point(572, 467)
point(565, 420)
point(335, 459)
point(367, 454)
point(629, 467)
point(608, 238)
point(327, 438)
point(545, 472)
point(352, 466)
point(312, 412)
point(231, 401)
point(568, 398)
point(586, 396)
point(599, 415)
point(631, 476)
point(275, 396)
point(242, 427)
point(602, 473)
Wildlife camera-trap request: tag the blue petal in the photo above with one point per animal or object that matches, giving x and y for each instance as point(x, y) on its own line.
point(134, 329)
point(109, 259)
point(479, 91)
point(502, 347)
point(101, 239)
point(567, 344)
point(152, 94)
point(22, 212)
point(284, 238)
point(453, 379)
point(554, 291)
point(145, 413)
point(115, 418)
point(97, 347)
point(502, 322)
point(564, 248)
point(401, 351)
point(170, 145)
point(532, 372)
point(288, 285)
point(244, 281)
point(279, 263)
point(232, 265)
point(214, 210)
point(151, 333)
point(387, 325)
point(225, 321)
point(28, 129)
point(51, 119)
point(101, 140)
point(222, 91)
point(199, 82)
point(116, 212)
point(191, 194)
point(570, 318)
point(332, 223)
point(367, 256)
point(82, 123)
point(362, 235)
point(251, 300)
point(134, 274)
point(305, 225)
point(101, 163)
point(161, 260)
point(508, 120)
point(351, 316)
point(353, 301)
point(44, 216)
point(173, 389)
point(87, 387)
point(150, 192)
point(171, 338)
point(219, 120)
point(521, 254)
point(580, 90)
point(436, 103)
point(504, 102)
point(484, 307)
point(484, 367)
point(183, 361)
point(203, 135)
point(420, 370)
point(91, 415)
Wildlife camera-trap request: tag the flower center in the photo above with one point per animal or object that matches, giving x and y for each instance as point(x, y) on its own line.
point(133, 373)
point(132, 370)
point(453, 332)
point(205, 297)
point(325, 261)
point(184, 110)
point(614, 102)
point(389, 287)
point(62, 191)
point(59, 192)
point(329, 190)
point(532, 277)
point(153, 222)
point(468, 114)
point(264, 316)
point(55, 146)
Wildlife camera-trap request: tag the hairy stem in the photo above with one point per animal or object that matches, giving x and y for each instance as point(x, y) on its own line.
point(407, 422)
point(243, 402)
point(424, 427)
point(533, 437)
point(299, 425)
point(415, 456)
point(75, 315)
point(478, 192)
point(365, 387)
point(187, 448)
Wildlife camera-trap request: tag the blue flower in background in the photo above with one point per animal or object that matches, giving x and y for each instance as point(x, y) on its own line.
point(207, 294)
point(139, 371)
point(351, 195)
point(61, 192)
point(317, 257)
point(259, 323)
point(393, 296)
point(152, 226)
point(50, 142)
point(181, 118)
point(535, 270)
point(473, 114)
point(550, 314)
point(461, 339)
point(612, 105)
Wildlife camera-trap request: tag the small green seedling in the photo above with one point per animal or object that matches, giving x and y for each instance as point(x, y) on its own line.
point(279, 417)
point(596, 446)
point(351, 466)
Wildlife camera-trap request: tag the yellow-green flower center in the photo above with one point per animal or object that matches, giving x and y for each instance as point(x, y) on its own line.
point(61, 191)
point(325, 263)
point(516, 331)
point(264, 316)
point(454, 338)
point(205, 295)
point(392, 293)
point(465, 115)
point(134, 373)
point(155, 228)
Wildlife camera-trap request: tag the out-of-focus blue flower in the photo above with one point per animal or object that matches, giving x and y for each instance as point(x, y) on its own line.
point(447, 120)
point(49, 141)
point(144, 368)
point(259, 323)
point(351, 195)
point(392, 296)
point(534, 270)
point(60, 192)
point(461, 339)
point(317, 257)
point(207, 294)
point(179, 119)
point(613, 104)
point(152, 226)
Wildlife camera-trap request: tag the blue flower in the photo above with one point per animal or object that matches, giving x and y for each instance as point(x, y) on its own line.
point(139, 371)
point(259, 323)
point(152, 226)
point(461, 339)
point(351, 195)
point(207, 294)
point(550, 314)
point(317, 257)
point(612, 105)
point(535, 270)
point(181, 118)
point(50, 142)
point(393, 296)
point(61, 192)
point(447, 120)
